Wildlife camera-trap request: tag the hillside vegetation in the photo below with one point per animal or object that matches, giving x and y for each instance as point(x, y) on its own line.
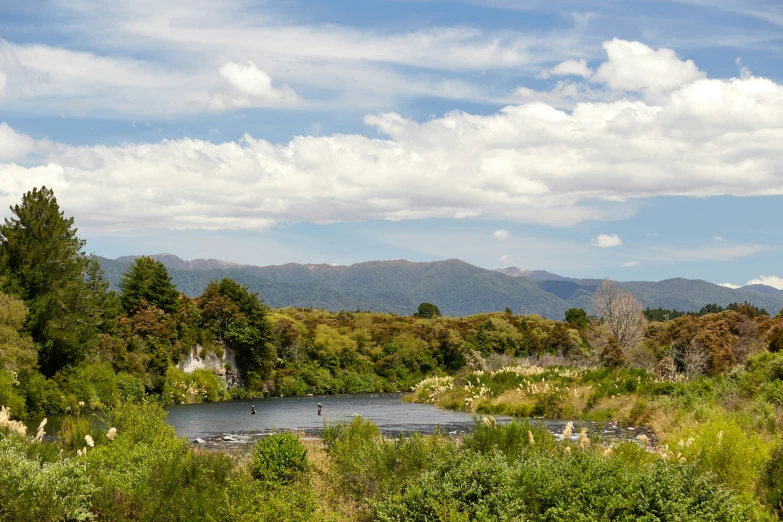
point(399, 286)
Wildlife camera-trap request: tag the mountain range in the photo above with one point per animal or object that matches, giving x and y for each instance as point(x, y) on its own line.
point(456, 287)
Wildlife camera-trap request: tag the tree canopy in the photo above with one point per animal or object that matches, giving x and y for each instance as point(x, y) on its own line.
point(42, 263)
point(148, 280)
point(427, 311)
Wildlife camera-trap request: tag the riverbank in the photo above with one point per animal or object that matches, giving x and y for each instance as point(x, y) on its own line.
point(729, 426)
point(140, 470)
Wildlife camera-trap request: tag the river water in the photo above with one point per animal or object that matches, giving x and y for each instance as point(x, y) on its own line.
point(215, 422)
point(230, 422)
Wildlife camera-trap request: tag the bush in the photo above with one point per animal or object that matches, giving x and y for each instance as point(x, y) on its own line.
point(279, 458)
point(735, 457)
point(772, 481)
point(34, 489)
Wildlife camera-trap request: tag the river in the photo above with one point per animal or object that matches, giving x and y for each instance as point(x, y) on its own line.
point(220, 423)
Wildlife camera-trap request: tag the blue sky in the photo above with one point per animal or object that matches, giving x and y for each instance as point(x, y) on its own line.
point(624, 139)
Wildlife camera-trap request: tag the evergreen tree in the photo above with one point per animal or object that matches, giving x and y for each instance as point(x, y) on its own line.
point(43, 264)
point(148, 280)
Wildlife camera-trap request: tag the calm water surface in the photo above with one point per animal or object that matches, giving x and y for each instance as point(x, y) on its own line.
point(301, 413)
point(231, 422)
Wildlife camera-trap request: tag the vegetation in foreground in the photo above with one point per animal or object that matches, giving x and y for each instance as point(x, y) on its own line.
point(140, 470)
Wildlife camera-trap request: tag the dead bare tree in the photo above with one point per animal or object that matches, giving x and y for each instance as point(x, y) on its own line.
point(621, 313)
point(695, 360)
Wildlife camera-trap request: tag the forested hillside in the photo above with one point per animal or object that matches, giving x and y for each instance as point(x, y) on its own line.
point(457, 287)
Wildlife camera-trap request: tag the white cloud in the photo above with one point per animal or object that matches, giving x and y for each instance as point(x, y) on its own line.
point(500, 234)
point(505, 258)
point(718, 239)
point(337, 65)
point(729, 285)
point(607, 241)
point(526, 163)
point(633, 66)
point(773, 281)
point(569, 68)
point(3, 82)
point(14, 145)
point(630, 264)
point(252, 87)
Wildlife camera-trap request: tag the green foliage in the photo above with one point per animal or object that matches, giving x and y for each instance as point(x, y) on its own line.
point(32, 488)
point(42, 262)
point(147, 280)
point(17, 351)
point(279, 458)
point(427, 311)
point(772, 480)
point(368, 466)
point(733, 455)
point(576, 317)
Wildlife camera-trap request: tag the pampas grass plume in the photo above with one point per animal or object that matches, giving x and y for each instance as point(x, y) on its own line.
point(530, 438)
point(89, 441)
point(111, 434)
point(584, 442)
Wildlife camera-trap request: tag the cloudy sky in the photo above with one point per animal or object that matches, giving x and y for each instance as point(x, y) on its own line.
point(631, 139)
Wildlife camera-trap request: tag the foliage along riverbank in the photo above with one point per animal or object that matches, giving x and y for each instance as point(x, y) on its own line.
point(140, 470)
point(727, 426)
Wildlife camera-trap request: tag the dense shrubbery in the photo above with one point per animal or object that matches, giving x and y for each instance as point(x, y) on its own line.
point(279, 458)
point(143, 471)
point(519, 472)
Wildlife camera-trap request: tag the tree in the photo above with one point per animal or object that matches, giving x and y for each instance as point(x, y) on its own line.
point(239, 318)
point(17, 352)
point(42, 262)
point(427, 311)
point(621, 313)
point(576, 317)
point(148, 280)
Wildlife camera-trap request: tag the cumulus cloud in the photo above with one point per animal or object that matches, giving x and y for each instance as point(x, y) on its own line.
point(633, 66)
point(500, 234)
point(630, 264)
point(606, 241)
point(527, 163)
point(729, 285)
point(251, 87)
point(505, 258)
point(568, 68)
point(773, 281)
point(718, 239)
point(3, 82)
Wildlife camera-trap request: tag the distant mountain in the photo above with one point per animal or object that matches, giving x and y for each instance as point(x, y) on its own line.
point(458, 288)
point(763, 289)
point(536, 275)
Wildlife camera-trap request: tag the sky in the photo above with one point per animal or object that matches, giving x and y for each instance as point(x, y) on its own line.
point(629, 139)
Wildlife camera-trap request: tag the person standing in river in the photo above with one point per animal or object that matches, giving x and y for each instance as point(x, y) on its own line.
point(319, 408)
point(252, 410)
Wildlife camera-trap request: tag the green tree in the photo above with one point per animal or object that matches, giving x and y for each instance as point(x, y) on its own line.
point(239, 318)
point(576, 317)
point(17, 352)
point(427, 311)
point(148, 280)
point(43, 264)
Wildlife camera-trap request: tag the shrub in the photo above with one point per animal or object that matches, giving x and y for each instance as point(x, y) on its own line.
point(279, 458)
point(772, 481)
point(720, 446)
point(34, 489)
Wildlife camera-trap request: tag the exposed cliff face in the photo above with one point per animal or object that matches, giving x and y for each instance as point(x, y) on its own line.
point(218, 365)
